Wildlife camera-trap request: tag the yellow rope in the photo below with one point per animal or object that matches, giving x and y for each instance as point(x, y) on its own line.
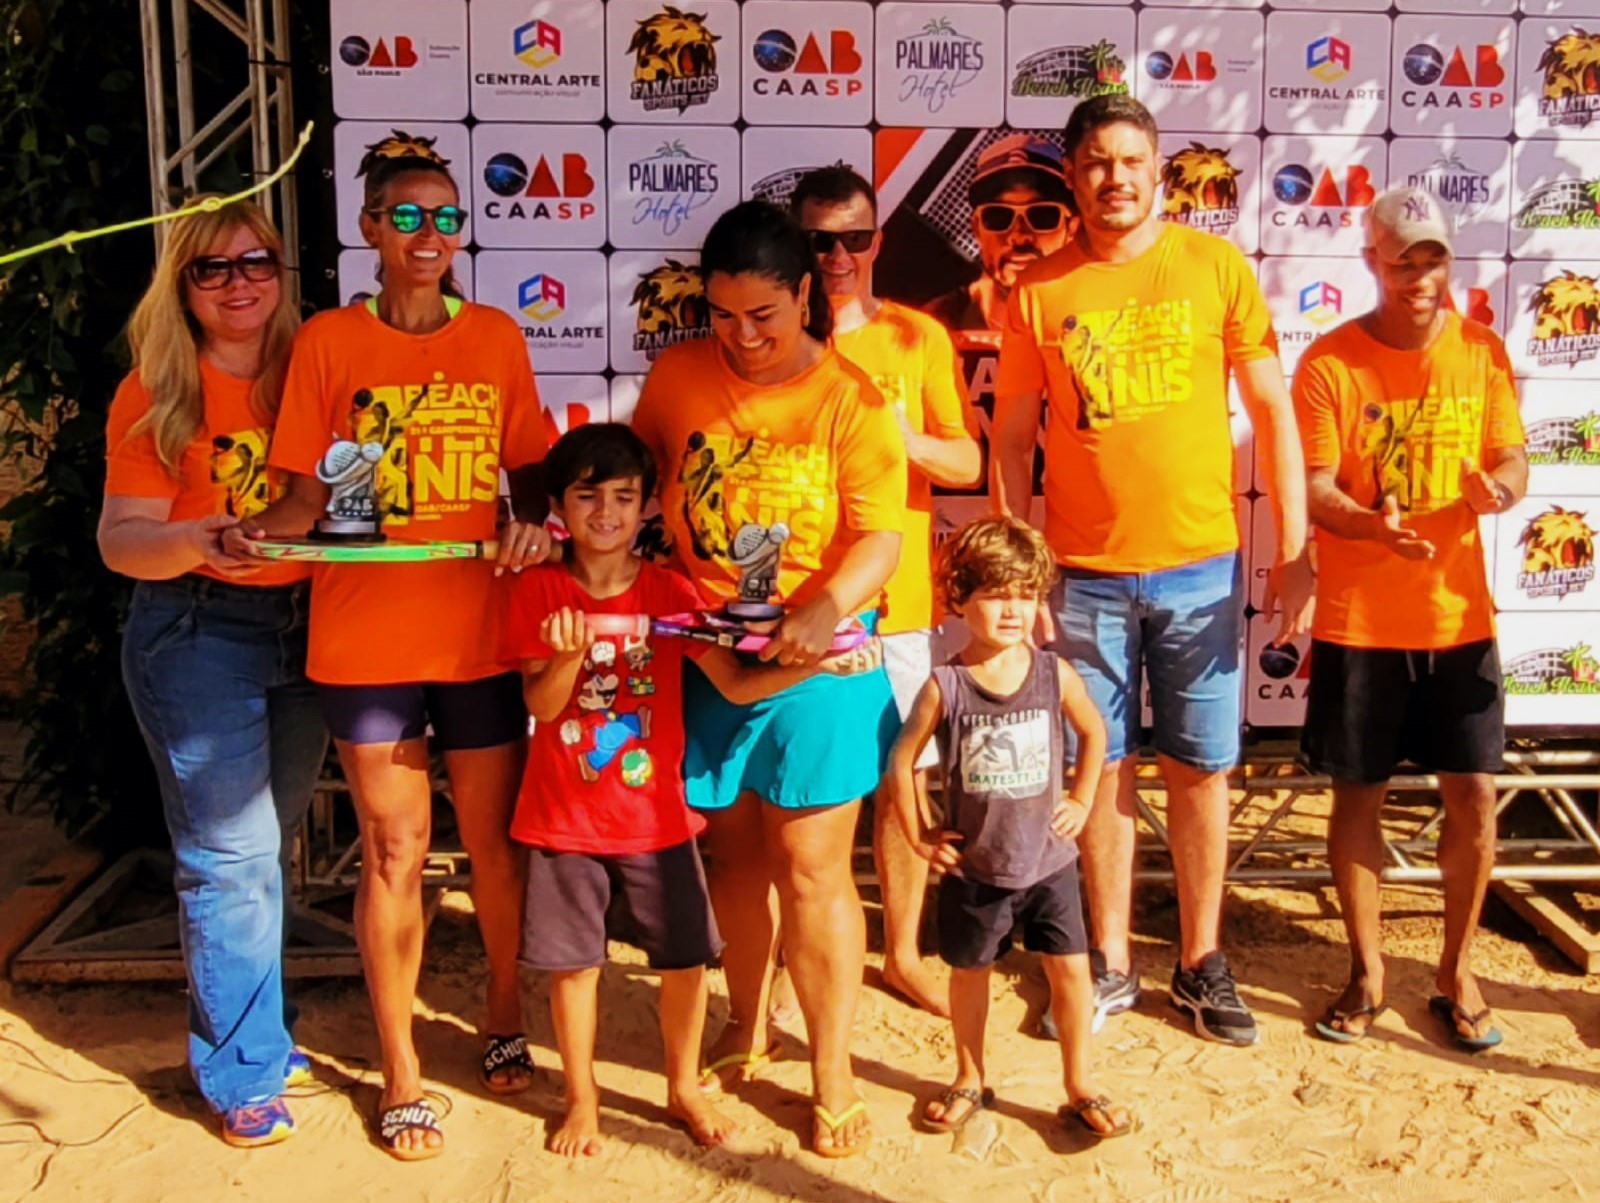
point(209, 205)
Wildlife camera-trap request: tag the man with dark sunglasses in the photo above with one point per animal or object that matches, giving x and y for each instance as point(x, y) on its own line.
point(1021, 212)
point(912, 363)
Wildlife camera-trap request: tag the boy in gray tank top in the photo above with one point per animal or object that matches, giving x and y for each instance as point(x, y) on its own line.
point(1006, 846)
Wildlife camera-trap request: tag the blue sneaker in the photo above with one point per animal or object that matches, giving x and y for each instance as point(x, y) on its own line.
point(298, 1070)
point(260, 1123)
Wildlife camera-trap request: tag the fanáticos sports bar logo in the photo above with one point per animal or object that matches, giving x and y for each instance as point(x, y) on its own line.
point(1571, 66)
point(1077, 72)
point(1554, 670)
point(1201, 188)
point(1566, 328)
point(1557, 553)
point(674, 60)
point(671, 304)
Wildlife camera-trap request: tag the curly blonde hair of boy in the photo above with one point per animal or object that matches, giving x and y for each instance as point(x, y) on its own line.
point(994, 553)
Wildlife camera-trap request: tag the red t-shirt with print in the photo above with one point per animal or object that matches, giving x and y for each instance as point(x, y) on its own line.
point(606, 777)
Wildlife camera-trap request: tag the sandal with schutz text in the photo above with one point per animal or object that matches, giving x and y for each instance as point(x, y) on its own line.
point(416, 1116)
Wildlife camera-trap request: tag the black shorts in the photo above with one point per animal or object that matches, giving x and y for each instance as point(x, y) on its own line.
point(1368, 709)
point(464, 714)
point(976, 919)
point(656, 901)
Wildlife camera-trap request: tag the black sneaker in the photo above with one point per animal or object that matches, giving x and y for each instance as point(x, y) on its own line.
point(1114, 992)
point(1210, 996)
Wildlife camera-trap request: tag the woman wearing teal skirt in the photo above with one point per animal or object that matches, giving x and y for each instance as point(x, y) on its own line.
point(784, 484)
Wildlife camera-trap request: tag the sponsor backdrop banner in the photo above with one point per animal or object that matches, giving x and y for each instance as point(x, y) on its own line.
point(595, 142)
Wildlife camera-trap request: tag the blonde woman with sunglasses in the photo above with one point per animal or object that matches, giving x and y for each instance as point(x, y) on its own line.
point(214, 652)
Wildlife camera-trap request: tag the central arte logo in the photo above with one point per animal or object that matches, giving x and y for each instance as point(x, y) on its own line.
point(803, 69)
point(538, 194)
point(1557, 553)
point(538, 43)
point(542, 297)
point(1201, 188)
point(1449, 82)
point(1328, 59)
point(674, 60)
point(671, 304)
point(1079, 72)
point(1321, 303)
point(1566, 329)
point(1571, 66)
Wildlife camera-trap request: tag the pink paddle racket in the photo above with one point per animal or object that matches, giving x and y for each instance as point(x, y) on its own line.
point(705, 627)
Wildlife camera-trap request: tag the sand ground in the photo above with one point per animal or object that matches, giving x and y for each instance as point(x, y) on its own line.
point(95, 1102)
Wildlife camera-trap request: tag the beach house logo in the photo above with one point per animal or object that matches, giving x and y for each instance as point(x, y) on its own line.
point(1554, 670)
point(538, 43)
point(543, 194)
point(1445, 80)
point(670, 301)
point(1077, 72)
point(1462, 189)
point(1320, 303)
point(1201, 188)
point(936, 64)
point(1196, 71)
point(1571, 204)
point(803, 67)
point(542, 297)
point(1320, 200)
point(1557, 553)
point(1571, 66)
point(1565, 440)
point(670, 186)
point(674, 60)
point(1328, 59)
point(1566, 329)
point(778, 186)
point(382, 56)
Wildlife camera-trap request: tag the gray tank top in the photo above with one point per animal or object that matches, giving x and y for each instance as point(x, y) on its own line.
point(1002, 771)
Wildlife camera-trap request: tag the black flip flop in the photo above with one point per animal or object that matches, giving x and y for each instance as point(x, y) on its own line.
point(1327, 1031)
point(951, 1094)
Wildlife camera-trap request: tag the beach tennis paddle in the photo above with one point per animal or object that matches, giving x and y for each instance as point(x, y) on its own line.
point(389, 551)
point(706, 627)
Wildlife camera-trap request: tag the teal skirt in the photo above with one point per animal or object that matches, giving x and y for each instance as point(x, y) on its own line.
point(822, 742)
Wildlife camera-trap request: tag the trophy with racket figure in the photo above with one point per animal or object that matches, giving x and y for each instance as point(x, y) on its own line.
point(350, 470)
point(757, 551)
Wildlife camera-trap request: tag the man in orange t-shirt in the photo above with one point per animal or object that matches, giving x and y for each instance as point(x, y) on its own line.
point(1398, 409)
point(910, 360)
point(1130, 331)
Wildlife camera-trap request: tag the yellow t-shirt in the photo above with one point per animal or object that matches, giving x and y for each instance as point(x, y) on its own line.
point(818, 457)
point(1133, 358)
point(1401, 422)
point(911, 361)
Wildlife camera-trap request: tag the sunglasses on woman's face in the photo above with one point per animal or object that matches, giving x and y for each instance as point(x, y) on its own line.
point(855, 241)
point(216, 271)
point(408, 218)
point(1040, 217)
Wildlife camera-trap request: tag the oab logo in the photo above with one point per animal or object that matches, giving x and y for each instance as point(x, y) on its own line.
point(1287, 672)
point(936, 64)
point(385, 56)
point(539, 194)
point(1320, 200)
point(1163, 68)
point(1445, 80)
point(804, 67)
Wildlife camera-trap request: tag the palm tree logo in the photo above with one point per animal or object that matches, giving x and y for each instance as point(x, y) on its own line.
point(1580, 659)
point(1587, 428)
point(1104, 62)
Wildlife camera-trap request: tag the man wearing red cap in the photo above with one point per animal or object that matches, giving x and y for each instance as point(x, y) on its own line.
point(1409, 419)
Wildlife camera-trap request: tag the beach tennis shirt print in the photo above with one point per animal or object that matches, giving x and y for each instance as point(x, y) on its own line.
point(1133, 359)
point(428, 420)
point(1403, 424)
point(606, 776)
point(763, 487)
point(223, 470)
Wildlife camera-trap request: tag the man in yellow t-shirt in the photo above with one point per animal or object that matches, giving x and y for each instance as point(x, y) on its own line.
point(1130, 331)
point(1398, 409)
point(909, 358)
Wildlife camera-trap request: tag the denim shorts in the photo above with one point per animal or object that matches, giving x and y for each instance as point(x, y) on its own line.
point(1184, 627)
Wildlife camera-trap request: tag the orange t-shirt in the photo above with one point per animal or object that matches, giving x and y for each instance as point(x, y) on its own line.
point(912, 362)
point(223, 470)
point(450, 409)
point(1133, 358)
point(819, 456)
point(1401, 422)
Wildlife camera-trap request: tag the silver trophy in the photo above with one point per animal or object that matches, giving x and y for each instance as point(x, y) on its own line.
point(757, 551)
point(350, 470)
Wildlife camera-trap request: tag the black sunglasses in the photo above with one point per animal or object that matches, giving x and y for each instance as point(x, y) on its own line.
point(407, 218)
point(855, 241)
point(216, 271)
point(1041, 217)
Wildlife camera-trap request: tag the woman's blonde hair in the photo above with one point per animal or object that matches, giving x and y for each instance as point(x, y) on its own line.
point(166, 340)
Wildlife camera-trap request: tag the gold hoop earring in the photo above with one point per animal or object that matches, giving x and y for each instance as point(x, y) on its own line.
point(805, 313)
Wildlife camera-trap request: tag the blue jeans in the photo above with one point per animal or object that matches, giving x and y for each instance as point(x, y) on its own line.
point(1184, 627)
point(216, 675)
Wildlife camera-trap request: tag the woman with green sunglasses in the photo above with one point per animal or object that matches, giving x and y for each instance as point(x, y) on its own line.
point(438, 396)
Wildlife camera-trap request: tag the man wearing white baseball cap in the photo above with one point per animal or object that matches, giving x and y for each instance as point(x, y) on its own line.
point(1408, 415)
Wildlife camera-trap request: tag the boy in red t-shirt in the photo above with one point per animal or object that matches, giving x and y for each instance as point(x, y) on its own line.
point(602, 802)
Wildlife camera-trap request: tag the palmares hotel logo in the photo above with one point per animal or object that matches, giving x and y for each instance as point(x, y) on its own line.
point(936, 63)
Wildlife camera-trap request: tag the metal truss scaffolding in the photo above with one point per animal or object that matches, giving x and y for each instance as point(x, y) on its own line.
point(256, 106)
